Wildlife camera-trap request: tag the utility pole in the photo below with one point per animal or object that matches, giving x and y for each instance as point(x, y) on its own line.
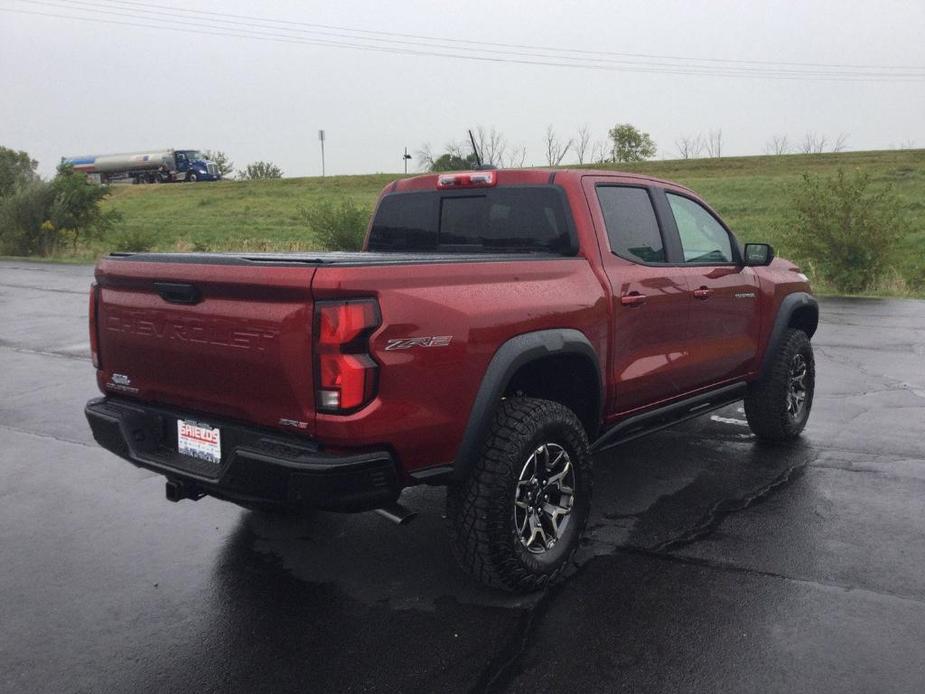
point(406, 157)
point(321, 139)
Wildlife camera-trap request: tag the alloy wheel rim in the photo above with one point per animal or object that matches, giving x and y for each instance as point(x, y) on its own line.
point(544, 497)
point(796, 386)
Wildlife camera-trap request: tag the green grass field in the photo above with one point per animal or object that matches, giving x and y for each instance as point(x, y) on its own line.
point(751, 193)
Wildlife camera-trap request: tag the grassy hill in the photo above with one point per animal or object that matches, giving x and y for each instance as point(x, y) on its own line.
point(751, 193)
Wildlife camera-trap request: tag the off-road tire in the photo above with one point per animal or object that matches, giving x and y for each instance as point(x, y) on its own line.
point(766, 402)
point(480, 509)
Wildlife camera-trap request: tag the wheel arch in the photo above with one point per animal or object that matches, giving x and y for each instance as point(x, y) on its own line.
point(799, 310)
point(558, 364)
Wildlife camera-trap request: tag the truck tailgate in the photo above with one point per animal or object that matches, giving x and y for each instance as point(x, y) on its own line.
point(228, 339)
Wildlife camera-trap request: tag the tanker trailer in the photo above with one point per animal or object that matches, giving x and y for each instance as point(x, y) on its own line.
point(157, 166)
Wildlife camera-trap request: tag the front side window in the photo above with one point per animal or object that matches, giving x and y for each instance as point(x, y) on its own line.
point(703, 239)
point(631, 224)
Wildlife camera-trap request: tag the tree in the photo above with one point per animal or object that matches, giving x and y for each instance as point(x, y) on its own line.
point(454, 158)
point(599, 152)
point(555, 150)
point(583, 143)
point(714, 144)
point(840, 142)
point(516, 157)
point(16, 170)
point(76, 207)
point(689, 146)
point(222, 161)
point(631, 144)
point(425, 155)
point(491, 145)
point(777, 145)
point(450, 161)
point(813, 144)
point(260, 171)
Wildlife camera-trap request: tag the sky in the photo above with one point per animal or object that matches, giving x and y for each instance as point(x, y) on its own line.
point(72, 87)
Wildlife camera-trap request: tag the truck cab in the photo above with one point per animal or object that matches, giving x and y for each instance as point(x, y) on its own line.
point(191, 165)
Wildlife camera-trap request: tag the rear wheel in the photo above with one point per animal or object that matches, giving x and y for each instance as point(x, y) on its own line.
point(516, 521)
point(777, 407)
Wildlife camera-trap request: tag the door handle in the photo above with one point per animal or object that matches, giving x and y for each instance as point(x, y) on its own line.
point(177, 293)
point(633, 299)
point(703, 293)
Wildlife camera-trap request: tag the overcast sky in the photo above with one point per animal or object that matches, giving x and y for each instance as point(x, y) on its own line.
point(71, 87)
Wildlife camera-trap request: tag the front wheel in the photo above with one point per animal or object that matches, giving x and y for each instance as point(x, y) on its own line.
point(192, 177)
point(517, 520)
point(777, 407)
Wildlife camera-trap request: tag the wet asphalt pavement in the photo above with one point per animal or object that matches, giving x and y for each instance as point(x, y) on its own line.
point(712, 563)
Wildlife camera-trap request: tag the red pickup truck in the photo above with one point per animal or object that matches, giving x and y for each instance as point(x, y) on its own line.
point(498, 329)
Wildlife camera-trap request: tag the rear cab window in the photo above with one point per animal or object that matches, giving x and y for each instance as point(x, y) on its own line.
point(501, 219)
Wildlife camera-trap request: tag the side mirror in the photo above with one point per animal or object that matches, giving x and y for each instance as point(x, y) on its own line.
point(758, 254)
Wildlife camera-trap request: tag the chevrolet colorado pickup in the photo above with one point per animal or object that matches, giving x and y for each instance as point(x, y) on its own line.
point(498, 328)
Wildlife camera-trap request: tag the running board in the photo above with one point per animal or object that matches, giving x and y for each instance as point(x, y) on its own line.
point(669, 415)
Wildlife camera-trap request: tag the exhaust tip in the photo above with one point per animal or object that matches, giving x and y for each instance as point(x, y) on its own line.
point(397, 513)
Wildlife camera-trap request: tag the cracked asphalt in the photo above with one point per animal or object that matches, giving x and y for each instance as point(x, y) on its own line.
point(712, 563)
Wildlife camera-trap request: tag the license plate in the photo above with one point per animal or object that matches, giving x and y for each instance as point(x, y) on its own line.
point(199, 441)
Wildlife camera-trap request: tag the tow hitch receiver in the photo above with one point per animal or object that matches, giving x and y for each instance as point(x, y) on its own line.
point(177, 491)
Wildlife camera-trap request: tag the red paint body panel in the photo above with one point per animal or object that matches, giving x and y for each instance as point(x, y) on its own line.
point(425, 394)
point(245, 350)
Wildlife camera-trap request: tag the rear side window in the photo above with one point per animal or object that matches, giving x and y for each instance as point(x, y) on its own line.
point(631, 224)
point(703, 238)
point(515, 218)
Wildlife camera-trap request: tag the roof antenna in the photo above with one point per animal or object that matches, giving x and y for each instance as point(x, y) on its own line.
point(475, 150)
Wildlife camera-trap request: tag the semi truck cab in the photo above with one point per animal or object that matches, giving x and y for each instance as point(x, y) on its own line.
point(191, 165)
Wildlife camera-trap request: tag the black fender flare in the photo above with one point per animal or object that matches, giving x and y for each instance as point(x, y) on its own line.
point(511, 356)
point(789, 306)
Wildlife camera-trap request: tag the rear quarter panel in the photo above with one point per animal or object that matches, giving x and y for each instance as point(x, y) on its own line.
point(426, 393)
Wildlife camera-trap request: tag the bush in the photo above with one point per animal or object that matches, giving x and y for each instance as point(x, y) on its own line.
point(39, 216)
point(25, 226)
point(338, 227)
point(260, 171)
point(134, 241)
point(842, 231)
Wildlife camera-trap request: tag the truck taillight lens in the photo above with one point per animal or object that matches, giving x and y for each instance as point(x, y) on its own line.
point(94, 329)
point(345, 373)
point(476, 179)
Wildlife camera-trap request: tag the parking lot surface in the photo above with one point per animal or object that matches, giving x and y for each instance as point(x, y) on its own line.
point(712, 563)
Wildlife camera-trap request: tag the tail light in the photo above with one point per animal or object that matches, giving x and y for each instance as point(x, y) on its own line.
point(345, 373)
point(94, 330)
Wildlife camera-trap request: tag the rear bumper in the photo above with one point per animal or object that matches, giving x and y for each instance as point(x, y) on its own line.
point(257, 466)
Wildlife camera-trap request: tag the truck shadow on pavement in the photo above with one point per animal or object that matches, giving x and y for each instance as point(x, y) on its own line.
point(354, 602)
